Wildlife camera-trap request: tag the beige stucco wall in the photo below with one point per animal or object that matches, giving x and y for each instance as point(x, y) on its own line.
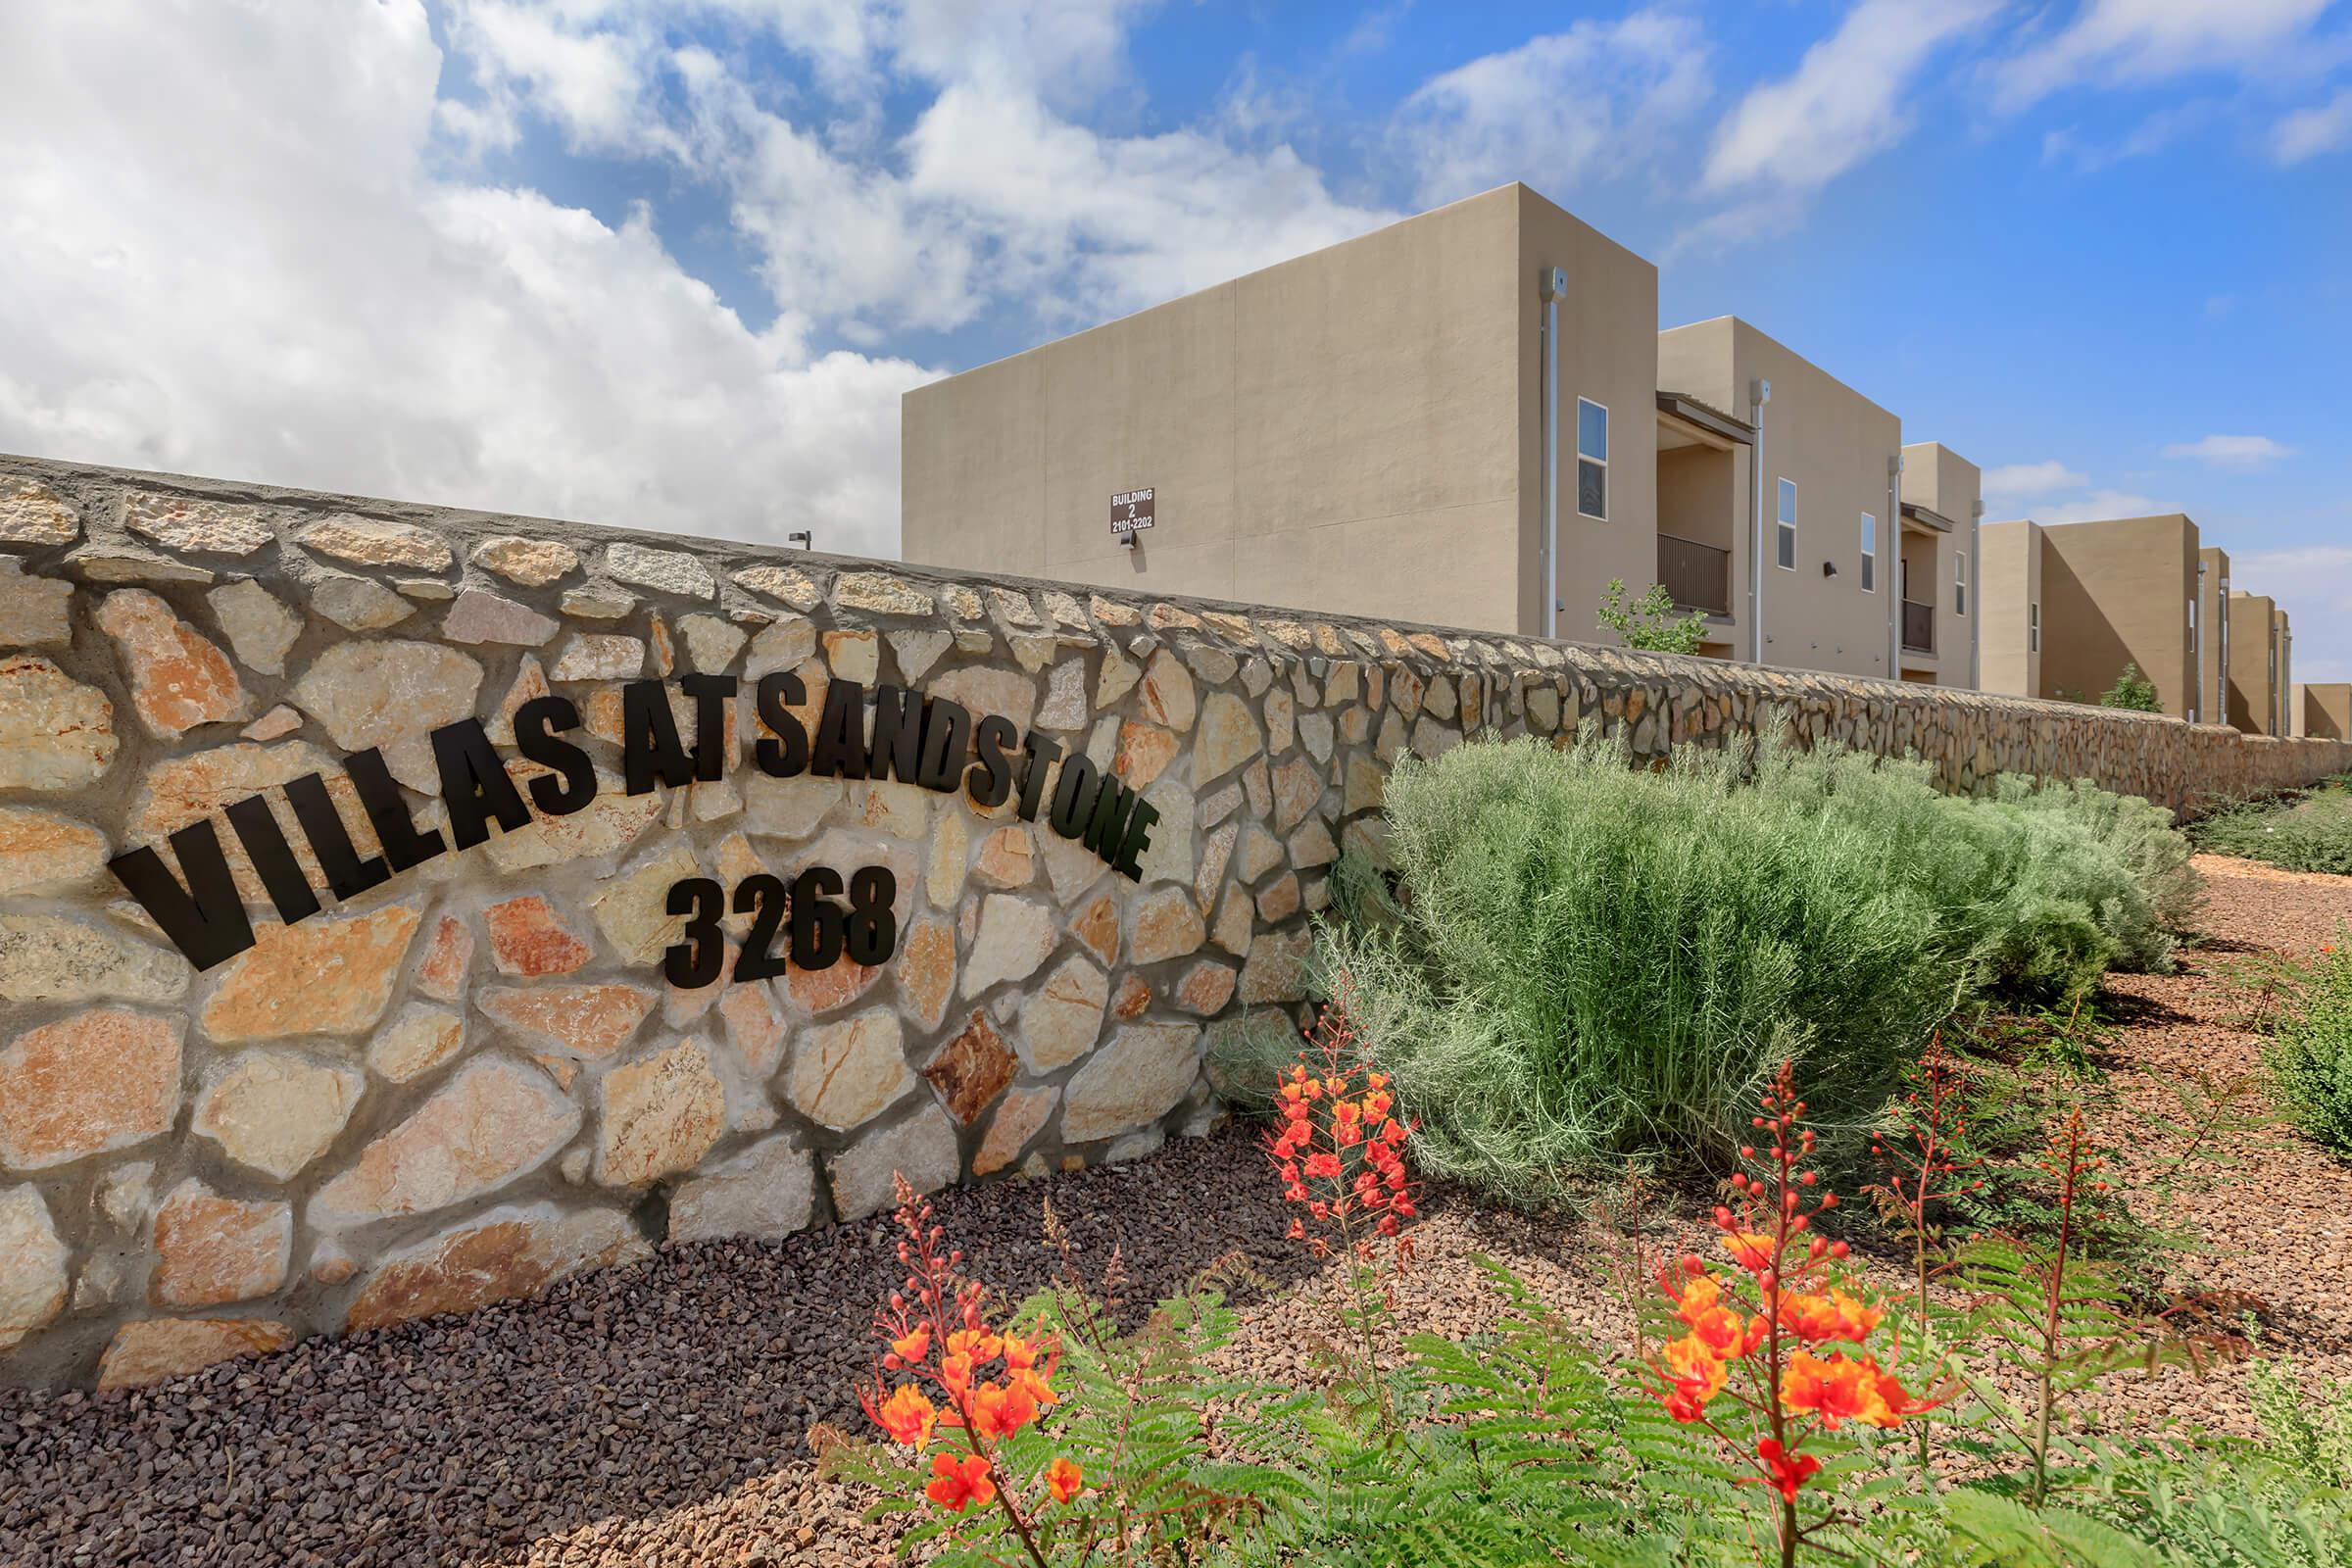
point(2253, 647)
point(1317, 434)
point(2324, 709)
point(1936, 477)
point(2011, 569)
point(1608, 353)
point(2117, 592)
point(1835, 444)
point(2283, 685)
point(2213, 595)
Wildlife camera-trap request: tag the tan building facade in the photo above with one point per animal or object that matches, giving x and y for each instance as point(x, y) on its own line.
point(1828, 462)
point(2324, 709)
point(1400, 425)
point(1358, 430)
point(2009, 656)
point(2213, 635)
point(1937, 602)
point(2255, 693)
point(2096, 597)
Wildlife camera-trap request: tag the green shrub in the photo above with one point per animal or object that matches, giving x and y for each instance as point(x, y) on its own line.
point(1650, 623)
point(2133, 691)
point(1586, 963)
point(2312, 1052)
point(2312, 832)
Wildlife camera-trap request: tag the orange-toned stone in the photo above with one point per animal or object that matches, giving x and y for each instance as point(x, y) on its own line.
point(658, 1115)
point(160, 1347)
point(1280, 900)
point(1166, 926)
point(1145, 750)
point(753, 1029)
point(1134, 996)
point(329, 975)
point(528, 939)
point(972, 1069)
point(1098, 926)
point(1205, 988)
point(55, 733)
point(591, 1022)
point(181, 790)
point(44, 853)
point(448, 953)
point(835, 986)
point(98, 1080)
point(493, 1121)
point(1007, 857)
point(505, 1253)
point(1018, 1117)
point(178, 680)
point(926, 964)
point(210, 1250)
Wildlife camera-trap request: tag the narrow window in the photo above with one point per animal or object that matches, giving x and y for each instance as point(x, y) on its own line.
point(1591, 460)
point(1959, 584)
point(1870, 554)
point(1784, 552)
point(2033, 627)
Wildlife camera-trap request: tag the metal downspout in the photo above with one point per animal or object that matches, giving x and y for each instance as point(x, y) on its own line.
point(1552, 283)
point(1759, 392)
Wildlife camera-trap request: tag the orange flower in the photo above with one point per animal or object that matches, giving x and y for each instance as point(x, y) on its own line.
point(1834, 1315)
point(956, 1485)
point(1323, 1168)
point(1695, 1299)
point(999, 1410)
point(1064, 1479)
point(1840, 1390)
point(909, 1417)
point(955, 1371)
point(1787, 1474)
point(913, 1346)
point(1752, 1251)
point(978, 1345)
point(1697, 1374)
point(1725, 1333)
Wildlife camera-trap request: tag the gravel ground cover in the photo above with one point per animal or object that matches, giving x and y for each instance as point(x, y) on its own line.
point(658, 1413)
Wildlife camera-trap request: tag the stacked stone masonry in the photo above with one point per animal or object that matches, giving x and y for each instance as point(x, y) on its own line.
point(473, 1079)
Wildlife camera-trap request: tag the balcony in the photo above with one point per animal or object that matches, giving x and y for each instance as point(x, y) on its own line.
point(1698, 576)
point(1918, 626)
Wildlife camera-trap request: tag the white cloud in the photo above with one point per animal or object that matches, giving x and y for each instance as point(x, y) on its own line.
point(2231, 451)
point(994, 197)
point(228, 252)
point(2095, 507)
point(1597, 101)
point(2031, 478)
point(2132, 42)
point(2312, 584)
point(1847, 100)
point(2308, 132)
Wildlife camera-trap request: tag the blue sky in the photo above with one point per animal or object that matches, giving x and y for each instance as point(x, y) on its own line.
point(672, 264)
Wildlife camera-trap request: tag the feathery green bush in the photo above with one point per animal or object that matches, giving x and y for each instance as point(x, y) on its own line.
point(2310, 832)
point(1583, 963)
point(2311, 1055)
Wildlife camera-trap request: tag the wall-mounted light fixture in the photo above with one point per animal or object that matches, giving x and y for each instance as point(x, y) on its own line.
point(1829, 569)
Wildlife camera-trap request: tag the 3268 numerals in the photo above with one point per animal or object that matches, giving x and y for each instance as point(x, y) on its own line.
point(818, 932)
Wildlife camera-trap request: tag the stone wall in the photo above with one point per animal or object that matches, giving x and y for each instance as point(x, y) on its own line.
point(429, 1052)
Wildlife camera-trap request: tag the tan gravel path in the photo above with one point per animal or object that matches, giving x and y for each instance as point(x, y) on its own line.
point(657, 1414)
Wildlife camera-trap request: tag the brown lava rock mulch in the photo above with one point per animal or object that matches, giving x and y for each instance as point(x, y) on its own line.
point(658, 1413)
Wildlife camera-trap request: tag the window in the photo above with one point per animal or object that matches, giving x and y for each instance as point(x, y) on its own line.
point(1785, 550)
point(2033, 627)
point(1959, 584)
point(1870, 554)
point(1592, 459)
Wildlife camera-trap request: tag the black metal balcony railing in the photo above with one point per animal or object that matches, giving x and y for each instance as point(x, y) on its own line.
point(1918, 626)
point(1698, 576)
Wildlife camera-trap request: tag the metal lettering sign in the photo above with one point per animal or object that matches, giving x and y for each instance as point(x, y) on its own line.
point(1130, 513)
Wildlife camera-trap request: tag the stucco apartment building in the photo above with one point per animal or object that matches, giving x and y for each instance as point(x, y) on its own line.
point(1468, 417)
point(2259, 673)
point(2324, 709)
point(2073, 604)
